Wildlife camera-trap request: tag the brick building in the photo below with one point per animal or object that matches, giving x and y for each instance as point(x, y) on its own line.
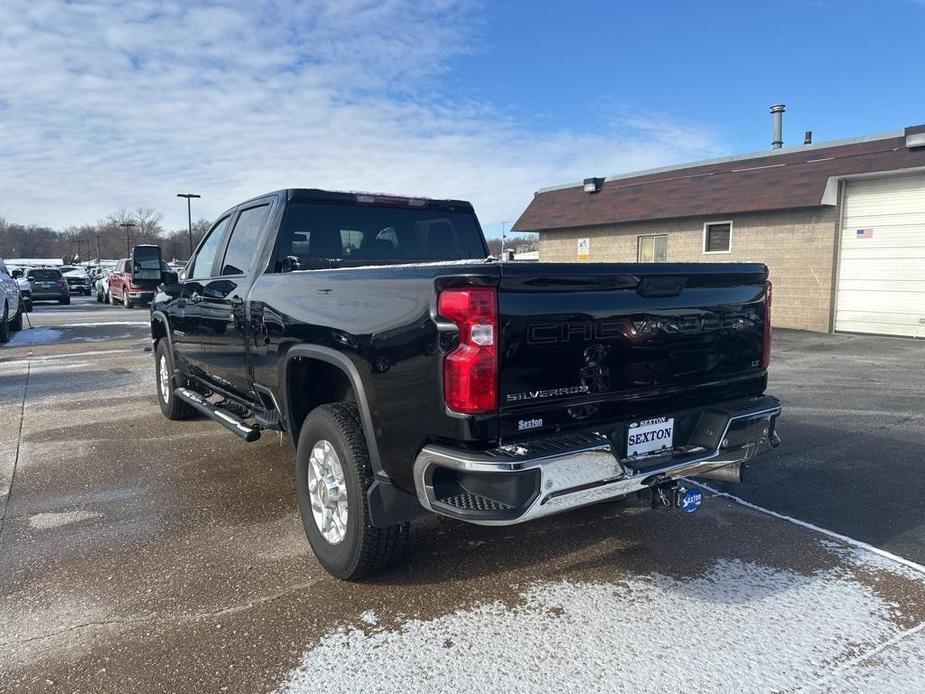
point(840, 225)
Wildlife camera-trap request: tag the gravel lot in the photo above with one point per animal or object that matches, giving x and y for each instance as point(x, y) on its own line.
point(138, 554)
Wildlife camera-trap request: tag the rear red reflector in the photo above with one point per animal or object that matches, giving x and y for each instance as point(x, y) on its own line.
point(470, 372)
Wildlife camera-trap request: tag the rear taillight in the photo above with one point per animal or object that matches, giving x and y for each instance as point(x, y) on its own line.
point(470, 372)
point(766, 335)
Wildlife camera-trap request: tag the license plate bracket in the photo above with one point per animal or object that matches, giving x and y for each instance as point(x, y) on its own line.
point(649, 436)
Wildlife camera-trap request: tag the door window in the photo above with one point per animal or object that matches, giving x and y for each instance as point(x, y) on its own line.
point(652, 249)
point(200, 266)
point(242, 247)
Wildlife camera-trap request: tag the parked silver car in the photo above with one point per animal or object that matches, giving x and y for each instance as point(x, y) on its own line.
point(11, 305)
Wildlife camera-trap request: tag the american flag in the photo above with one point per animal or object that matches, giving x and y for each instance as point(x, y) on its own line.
point(865, 233)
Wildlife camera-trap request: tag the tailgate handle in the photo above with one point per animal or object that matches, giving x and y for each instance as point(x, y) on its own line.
point(661, 286)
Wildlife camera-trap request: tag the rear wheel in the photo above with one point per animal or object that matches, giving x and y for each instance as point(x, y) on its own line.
point(332, 475)
point(128, 303)
point(4, 324)
point(16, 323)
point(171, 406)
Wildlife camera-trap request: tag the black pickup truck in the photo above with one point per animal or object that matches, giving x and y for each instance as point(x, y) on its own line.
point(413, 373)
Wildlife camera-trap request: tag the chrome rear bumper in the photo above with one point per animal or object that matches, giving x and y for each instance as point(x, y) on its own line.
point(517, 483)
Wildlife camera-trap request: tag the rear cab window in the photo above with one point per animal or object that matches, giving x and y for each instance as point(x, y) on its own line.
point(323, 235)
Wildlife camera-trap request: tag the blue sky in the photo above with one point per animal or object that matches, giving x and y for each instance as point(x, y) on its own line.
point(844, 68)
point(110, 104)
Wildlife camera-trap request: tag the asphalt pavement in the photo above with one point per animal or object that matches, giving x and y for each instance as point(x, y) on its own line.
point(139, 554)
point(853, 431)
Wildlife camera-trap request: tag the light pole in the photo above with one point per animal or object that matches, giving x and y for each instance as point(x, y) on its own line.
point(97, 249)
point(128, 227)
point(189, 217)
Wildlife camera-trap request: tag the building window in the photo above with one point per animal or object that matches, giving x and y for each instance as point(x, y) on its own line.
point(717, 237)
point(652, 249)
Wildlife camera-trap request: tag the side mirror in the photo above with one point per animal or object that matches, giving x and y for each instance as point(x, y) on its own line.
point(145, 264)
point(30, 278)
point(17, 274)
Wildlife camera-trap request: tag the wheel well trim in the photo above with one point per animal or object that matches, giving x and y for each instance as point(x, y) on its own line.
point(161, 317)
point(344, 364)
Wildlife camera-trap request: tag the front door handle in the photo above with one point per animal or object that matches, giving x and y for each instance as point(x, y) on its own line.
point(236, 301)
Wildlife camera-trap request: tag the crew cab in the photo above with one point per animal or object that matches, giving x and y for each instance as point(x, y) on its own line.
point(412, 374)
point(123, 289)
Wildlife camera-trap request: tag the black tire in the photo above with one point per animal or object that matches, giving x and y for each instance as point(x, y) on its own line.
point(5, 325)
point(364, 549)
point(128, 303)
point(172, 407)
point(65, 300)
point(99, 297)
point(16, 323)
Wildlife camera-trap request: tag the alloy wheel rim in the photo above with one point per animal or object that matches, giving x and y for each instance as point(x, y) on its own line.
point(327, 492)
point(164, 375)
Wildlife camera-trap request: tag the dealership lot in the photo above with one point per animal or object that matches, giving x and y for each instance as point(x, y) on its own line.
point(142, 554)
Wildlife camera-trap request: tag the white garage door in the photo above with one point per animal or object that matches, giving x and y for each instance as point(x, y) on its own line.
point(881, 278)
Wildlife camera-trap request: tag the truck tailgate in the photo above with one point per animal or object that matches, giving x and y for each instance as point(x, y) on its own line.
point(587, 342)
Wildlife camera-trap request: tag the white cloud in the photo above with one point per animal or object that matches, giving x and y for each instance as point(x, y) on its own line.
point(113, 104)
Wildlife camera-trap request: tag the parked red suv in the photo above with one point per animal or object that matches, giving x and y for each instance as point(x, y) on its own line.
point(122, 289)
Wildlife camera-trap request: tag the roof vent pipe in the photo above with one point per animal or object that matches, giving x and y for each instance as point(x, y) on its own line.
point(777, 110)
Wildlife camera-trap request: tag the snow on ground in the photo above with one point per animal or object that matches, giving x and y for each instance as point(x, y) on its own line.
point(34, 336)
point(739, 625)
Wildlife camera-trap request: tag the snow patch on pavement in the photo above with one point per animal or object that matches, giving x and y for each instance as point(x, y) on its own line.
point(34, 336)
point(760, 628)
point(47, 521)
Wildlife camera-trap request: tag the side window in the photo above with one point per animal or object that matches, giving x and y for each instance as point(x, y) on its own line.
point(200, 266)
point(242, 247)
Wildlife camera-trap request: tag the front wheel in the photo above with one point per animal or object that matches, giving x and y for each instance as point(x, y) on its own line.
point(171, 406)
point(333, 474)
point(128, 303)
